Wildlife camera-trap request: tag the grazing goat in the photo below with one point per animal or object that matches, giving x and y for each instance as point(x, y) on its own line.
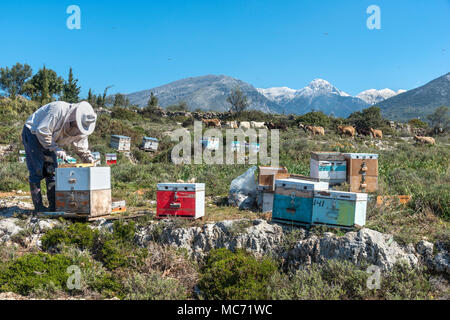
point(348, 130)
point(211, 122)
point(363, 132)
point(232, 124)
point(376, 133)
point(244, 125)
point(427, 140)
point(271, 126)
point(257, 125)
point(316, 130)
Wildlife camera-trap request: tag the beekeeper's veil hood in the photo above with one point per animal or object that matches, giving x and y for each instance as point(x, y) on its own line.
point(84, 116)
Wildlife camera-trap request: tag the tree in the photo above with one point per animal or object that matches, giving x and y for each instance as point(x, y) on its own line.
point(152, 105)
point(71, 89)
point(317, 118)
point(119, 100)
point(153, 101)
point(367, 118)
point(238, 100)
point(44, 85)
point(90, 98)
point(440, 117)
point(417, 123)
point(12, 80)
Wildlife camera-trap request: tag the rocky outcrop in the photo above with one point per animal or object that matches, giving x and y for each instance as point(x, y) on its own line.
point(34, 228)
point(260, 237)
point(257, 236)
point(438, 261)
point(363, 247)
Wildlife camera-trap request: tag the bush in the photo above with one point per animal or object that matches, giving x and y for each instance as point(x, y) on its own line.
point(417, 123)
point(231, 275)
point(34, 271)
point(367, 118)
point(314, 118)
point(78, 234)
point(153, 286)
point(337, 280)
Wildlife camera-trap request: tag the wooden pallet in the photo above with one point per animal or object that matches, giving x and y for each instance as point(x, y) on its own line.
point(108, 217)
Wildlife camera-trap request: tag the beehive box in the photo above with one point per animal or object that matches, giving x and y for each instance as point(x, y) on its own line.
point(293, 200)
point(120, 143)
point(328, 166)
point(85, 191)
point(185, 200)
point(210, 143)
point(339, 208)
point(111, 158)
point(267, 201)
point(268, 175)
point(150, 144)
point(362, 171)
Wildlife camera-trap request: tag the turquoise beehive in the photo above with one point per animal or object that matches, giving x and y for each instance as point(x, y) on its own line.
point(339, 208)
point(293, 200)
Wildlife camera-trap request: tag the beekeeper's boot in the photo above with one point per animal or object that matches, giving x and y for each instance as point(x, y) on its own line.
point(51, 195)
point(36, 197)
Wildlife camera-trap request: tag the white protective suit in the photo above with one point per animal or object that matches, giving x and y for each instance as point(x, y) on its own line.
point(50, 122)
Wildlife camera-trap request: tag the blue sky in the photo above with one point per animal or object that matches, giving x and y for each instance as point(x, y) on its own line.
point(137, 45)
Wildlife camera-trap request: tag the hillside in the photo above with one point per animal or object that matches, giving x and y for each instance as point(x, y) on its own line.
point(210, 93)
point(418, 102)
point(206, 92)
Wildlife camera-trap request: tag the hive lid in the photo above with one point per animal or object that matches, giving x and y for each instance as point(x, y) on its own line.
point(361, 155)
point(326, 155)
point(341, 195)
point(150, 138)
point(301, 184)
point(119, 136)
point(180, 186)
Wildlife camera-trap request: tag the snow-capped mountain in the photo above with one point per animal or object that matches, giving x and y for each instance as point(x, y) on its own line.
point(373, 96)
point(319, 94)
point(278, 94)
point(315, 88)
point(319, 87)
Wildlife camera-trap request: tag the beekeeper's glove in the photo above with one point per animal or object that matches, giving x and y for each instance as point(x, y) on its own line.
point(62, 155)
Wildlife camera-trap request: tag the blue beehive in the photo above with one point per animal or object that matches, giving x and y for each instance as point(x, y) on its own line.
point(293, 200)
point(339, 208)
point(328, 166)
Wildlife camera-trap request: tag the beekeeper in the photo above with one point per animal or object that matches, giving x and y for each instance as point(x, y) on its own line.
point(51, 127)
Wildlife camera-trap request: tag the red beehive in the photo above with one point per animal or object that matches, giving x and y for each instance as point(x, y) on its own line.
point(185, 200)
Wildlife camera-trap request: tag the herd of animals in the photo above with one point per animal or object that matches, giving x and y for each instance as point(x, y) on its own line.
point(314, 130)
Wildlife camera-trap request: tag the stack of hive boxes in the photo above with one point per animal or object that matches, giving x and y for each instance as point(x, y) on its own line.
point(309, 201)
point(84, 191)
point(266, 184)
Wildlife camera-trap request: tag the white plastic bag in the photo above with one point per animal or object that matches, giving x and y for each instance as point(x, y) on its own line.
point(243, 190)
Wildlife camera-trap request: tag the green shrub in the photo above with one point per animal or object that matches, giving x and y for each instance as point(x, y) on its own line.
point(405, 283)
point(314, 118)
point(78, 234)
point(337, 280)
point(112, 255)
point(153, 286)
point(417, 123)
point(235, 275)
point(124, 232)
point(306, 284)
point(33, 271)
